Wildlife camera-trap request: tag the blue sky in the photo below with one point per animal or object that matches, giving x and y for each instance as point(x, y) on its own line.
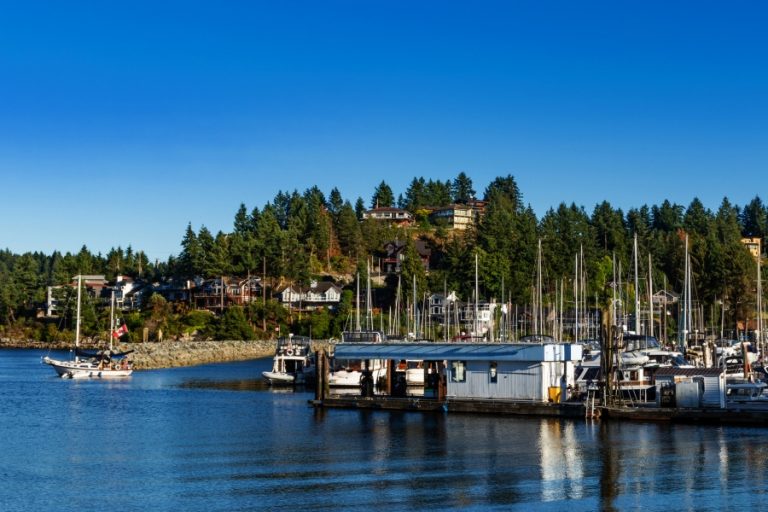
point(122, 122)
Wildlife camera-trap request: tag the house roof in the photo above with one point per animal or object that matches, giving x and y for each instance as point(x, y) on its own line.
point(688, 372)
point(458, 351)
point(324, 286)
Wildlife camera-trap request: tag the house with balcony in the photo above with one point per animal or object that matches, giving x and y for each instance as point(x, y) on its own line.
point(317, 295)
point(455, 216)
point(394, 254)
point(219, 293)
point(395, 216)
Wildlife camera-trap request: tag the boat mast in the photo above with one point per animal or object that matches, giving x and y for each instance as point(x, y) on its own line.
point(415, 311)
point(759, 338)
point(684, 330)
point(576, 299)
point(637, 291)
point(368, 298)
point(357, 305)
point(477, 295)
point(111, 318)
point(650, 293)
point(77, 319)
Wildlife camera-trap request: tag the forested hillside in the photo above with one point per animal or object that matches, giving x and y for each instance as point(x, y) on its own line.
point(299, 236)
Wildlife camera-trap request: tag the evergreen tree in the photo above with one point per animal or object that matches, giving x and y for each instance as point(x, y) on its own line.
point(348, 231)
point(382, 196)
point(461, 189)
point(242, 221)
point(359, 208)
point(754, 219)
point(335, 203)
point(192, 257)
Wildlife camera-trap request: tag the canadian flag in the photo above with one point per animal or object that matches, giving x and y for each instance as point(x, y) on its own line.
point(120, 331)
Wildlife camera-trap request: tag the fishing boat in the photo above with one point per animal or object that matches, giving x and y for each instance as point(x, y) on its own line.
point(102, 364)
point(293, 363)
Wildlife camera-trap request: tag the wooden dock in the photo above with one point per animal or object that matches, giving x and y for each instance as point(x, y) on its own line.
point(729, 416)
point(454, 405)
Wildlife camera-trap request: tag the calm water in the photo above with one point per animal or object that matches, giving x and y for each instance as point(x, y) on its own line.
point(213, 438)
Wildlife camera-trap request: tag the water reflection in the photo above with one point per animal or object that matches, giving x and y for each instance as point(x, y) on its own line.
point(181, 439)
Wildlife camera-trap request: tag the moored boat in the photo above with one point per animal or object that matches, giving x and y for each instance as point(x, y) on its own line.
point(293, 362)
point(102, 364)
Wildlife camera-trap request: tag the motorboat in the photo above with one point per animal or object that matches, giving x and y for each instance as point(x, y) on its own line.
point(293, 363)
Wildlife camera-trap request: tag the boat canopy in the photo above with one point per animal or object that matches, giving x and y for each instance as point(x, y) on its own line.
point(101, 354)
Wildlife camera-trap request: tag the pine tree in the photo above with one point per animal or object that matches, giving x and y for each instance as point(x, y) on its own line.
point(382, 196)
point(461, 189)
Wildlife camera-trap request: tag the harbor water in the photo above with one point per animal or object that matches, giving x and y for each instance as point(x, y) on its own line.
point(215, 438)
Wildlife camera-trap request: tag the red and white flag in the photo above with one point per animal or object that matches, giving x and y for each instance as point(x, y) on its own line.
point(120, 331)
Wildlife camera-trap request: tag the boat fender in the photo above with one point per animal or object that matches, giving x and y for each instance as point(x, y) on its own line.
point(289, 352)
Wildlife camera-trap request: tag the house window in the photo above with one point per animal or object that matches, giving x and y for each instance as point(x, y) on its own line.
point(458, 371)
point(493, 372)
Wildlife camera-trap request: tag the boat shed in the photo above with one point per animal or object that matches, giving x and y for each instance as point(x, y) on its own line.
point(694, 387)
point(506, 371)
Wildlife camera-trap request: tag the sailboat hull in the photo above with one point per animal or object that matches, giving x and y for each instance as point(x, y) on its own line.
point(85, 369)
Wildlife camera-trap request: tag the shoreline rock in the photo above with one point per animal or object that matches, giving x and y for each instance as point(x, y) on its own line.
point(172, 354)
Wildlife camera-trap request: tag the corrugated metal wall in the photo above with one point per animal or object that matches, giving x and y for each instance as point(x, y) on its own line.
point(516, 380)
point(711, 397)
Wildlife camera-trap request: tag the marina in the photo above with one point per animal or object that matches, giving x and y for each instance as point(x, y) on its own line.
point(216, 438)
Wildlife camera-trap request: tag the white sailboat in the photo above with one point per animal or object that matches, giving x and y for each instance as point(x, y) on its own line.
point(103, 364)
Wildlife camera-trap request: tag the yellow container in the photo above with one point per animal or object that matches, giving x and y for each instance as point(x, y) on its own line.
point(554, 394)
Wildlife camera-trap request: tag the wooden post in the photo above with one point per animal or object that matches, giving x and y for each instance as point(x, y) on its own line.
point(321, 376)
point(390, 375)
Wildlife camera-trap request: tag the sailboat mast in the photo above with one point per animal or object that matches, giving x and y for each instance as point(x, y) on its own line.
point(637, 291)
point(111, 318)
point(576, 298)
point(77, 320)
point(368, 298)
point(415, 310)
point(650, 293)
point(759, 338)
point(684, 330)
point(357, 304)
point(539, 296)
point(477, 295)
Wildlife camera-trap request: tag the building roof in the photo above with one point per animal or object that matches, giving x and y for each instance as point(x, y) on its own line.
point(688, 372)
point(459, 351)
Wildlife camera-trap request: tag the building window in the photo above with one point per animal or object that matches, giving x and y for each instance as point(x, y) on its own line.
point(493, 372)
point(458, 371)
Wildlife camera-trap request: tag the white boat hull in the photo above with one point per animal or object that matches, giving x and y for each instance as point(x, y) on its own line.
point(277, 378)
point(85, 369)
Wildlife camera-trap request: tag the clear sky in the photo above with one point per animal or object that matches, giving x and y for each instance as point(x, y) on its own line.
point(120, 122)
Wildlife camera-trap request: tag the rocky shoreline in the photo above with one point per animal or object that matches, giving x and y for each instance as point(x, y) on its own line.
point(170, 354)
